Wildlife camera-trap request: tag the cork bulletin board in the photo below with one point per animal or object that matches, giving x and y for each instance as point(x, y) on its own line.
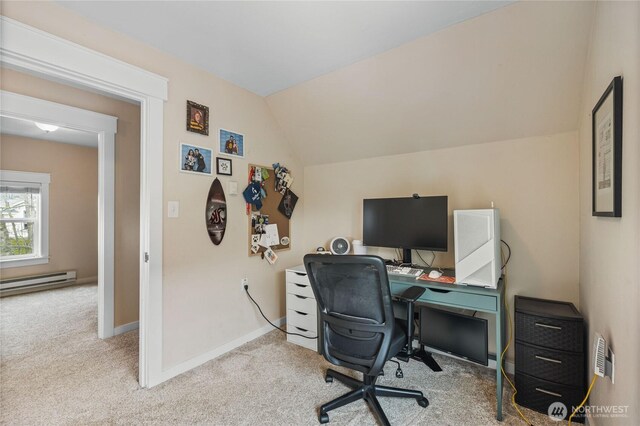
point(269, 207)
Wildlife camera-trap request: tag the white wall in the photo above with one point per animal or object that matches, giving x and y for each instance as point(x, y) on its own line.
point(533, 181)
point(204, 306)
point(610, 247)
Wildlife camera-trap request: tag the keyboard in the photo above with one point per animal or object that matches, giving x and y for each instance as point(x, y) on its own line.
point(404, 270)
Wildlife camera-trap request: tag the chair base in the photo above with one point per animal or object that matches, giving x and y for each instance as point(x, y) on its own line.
point(369, 391)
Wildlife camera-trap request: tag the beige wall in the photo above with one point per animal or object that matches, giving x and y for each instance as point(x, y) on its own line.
point(127, 178)
point(204, 305)
point(609, 247)
point(73, 202)
point(533, 181)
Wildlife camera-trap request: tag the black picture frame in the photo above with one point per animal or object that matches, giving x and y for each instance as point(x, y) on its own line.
point(606, 138)
point(224, 166)
point(194, 124)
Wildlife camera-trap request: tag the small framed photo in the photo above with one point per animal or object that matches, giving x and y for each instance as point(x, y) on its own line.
point(231, 143)
point(195, 159)
point(606, 128)
point(197, 118)
point(223, 166)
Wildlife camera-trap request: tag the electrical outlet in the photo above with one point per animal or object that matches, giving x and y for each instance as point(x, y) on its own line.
point(244, 282)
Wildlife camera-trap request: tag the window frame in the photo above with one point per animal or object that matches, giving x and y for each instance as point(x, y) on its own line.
point(41, 236)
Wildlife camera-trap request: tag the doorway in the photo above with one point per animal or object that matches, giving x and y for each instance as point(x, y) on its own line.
point(34, 51)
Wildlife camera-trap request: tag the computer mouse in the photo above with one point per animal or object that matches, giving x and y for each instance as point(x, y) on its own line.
point(435, 274)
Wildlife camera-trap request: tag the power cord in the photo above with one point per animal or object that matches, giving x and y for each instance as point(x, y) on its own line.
point(504, 262)
point(593, 382)
point(429, 265)
point(246, 289)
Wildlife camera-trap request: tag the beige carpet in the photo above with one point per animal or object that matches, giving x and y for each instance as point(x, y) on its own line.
point(54, 370)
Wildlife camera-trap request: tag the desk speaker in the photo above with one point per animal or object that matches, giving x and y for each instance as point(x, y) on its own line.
point(476, 235)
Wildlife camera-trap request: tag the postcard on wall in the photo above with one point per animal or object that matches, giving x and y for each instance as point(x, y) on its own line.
point(270, 236)
point(231, 143)
point(271, 256)
point(195, 159)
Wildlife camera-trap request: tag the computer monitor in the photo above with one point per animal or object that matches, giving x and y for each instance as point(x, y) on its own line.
point(419, 223)
point(456, 334)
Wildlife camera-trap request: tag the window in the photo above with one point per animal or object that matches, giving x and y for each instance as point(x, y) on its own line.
point(24, 218)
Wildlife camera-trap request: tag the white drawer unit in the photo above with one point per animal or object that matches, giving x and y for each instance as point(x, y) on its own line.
point(302, 311)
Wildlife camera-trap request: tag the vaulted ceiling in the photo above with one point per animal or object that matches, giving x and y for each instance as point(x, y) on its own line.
point(516, 72)
point(351, 80)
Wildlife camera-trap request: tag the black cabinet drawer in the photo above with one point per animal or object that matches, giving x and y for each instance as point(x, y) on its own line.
point(539, 394)
point(555, 366)
point(553, 333)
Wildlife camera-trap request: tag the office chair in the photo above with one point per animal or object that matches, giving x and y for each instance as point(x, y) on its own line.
point(357, 327)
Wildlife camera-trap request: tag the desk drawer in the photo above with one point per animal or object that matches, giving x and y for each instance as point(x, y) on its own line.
point(302, 304)
point(460, 299)
point(555, 366)
point(308, 321)
point(299, 289)
point(551, 333)
point(297, 277)
point(298, 340)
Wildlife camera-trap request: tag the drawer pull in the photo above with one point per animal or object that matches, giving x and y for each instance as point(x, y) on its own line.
point(300, 274)
point(300, 297)
point(302, 329)
point(549, 392)
point(554, 327)
point(300, 285)
point(304, 313)
point(543, 358)
point(437, 290)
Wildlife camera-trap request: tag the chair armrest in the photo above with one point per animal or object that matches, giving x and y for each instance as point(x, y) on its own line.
point(411, 294)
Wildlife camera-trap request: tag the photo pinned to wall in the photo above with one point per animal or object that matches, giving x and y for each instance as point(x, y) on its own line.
point(197, 118)
point(195, 159)
point(231, 143)
point(284, 180)
point(258, 223)
point(288, 203)
point(223, 166)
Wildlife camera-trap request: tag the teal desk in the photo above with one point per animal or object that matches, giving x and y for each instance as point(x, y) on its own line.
point(464, 297)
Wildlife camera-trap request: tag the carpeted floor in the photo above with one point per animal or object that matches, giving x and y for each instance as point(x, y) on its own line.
point(54, 370)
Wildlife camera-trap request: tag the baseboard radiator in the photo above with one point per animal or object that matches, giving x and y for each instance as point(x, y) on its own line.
point(37, 281)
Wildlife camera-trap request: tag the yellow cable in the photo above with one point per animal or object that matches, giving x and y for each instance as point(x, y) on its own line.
point(593, 382)
point(506, 306)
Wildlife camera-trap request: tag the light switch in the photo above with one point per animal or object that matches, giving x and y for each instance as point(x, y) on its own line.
point(233, 188)
point(173, 209)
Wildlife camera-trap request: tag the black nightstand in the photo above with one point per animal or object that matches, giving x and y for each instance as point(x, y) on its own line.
point(550, 354)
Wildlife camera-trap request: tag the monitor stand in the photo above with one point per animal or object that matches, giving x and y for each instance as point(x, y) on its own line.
point(406, 256)
point(427, 358)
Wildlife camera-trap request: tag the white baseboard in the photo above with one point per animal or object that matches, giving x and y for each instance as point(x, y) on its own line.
point(125, 328)
point(215, 353)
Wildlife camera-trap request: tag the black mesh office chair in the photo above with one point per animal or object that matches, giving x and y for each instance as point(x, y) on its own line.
point(357, 327)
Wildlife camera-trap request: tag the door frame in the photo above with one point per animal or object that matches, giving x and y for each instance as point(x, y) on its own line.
point(29, 49)
point(23, 107)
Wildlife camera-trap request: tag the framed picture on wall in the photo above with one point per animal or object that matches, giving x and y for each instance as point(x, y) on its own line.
point(195, 159)
point(223, 166)
point(231, 143)
point(606, 128)
point(197, 118)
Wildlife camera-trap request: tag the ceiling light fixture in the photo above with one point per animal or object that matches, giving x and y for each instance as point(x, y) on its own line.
point(47, 127)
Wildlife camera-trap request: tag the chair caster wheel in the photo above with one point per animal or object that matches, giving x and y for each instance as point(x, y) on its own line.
point(399, 374)
point(323, 418)
point(328, 379)
point(423, 402)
